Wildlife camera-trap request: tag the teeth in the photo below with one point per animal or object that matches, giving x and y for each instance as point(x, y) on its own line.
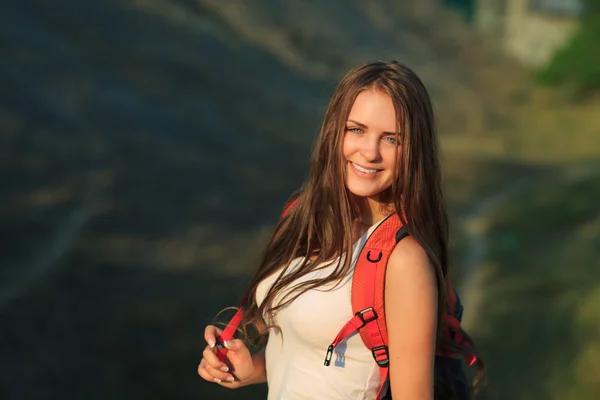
point(365, 170)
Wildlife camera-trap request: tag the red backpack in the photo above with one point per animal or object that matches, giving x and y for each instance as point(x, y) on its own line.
point(368, 288)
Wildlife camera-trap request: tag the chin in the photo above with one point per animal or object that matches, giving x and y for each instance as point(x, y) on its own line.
point(362, 191)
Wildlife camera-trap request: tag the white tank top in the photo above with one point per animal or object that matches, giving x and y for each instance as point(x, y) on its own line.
point(294, 362)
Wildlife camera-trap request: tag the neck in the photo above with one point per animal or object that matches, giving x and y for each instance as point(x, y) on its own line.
point(372, 210)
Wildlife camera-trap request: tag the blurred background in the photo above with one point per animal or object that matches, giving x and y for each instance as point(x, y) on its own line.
point(147, 147)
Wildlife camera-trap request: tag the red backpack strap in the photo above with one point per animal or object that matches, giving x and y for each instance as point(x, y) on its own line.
point(229, 331)
point(228, 334)
point(289, 207)
point(368, 289)
point(368, 282)
point(367, 295)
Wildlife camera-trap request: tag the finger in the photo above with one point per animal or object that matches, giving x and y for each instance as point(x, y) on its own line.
point(230, 383)
point(212, 375)
point(234, 345)
point(212, 360)
point(204, 373)
point(217, 376)
point(202, 369)
point(210, 335)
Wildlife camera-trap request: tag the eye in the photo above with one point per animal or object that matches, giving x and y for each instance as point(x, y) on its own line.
point(390, 139)
point(355, 130)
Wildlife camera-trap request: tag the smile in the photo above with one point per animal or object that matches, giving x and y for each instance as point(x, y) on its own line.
point(365, 170)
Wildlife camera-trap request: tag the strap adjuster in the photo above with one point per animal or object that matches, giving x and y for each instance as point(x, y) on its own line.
point(380, 354)
point(367, 315)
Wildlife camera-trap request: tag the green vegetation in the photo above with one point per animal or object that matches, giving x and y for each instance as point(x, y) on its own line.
point(575, 66)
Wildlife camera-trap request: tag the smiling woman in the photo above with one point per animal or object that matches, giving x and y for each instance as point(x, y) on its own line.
point(362, 246)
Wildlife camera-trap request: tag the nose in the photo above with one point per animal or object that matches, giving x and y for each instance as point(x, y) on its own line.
point(370, 148)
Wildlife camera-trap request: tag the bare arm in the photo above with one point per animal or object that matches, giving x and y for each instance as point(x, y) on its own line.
point(411, 317)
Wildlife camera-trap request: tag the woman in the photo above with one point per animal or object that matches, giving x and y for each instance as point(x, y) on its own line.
point(376, 155)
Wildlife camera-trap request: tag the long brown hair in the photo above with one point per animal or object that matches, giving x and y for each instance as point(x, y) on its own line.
point(322, 222)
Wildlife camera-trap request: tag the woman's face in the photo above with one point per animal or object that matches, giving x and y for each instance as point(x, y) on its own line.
point(369, 147)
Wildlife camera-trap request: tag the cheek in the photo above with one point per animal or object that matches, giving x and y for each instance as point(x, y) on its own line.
point(390, 157)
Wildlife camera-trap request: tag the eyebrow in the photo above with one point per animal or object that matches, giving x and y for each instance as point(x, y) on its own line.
point(363, 126)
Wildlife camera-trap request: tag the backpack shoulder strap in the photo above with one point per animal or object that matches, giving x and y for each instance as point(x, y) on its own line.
point(368, 284)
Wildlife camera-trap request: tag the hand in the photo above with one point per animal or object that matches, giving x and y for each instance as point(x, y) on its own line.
point(237, 368)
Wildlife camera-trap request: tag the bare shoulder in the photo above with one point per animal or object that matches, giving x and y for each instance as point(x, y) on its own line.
point(410, 275)
point(410, 257)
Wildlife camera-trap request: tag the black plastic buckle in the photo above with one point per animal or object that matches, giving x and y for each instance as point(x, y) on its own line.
point(378, 352)
point(368, 318)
